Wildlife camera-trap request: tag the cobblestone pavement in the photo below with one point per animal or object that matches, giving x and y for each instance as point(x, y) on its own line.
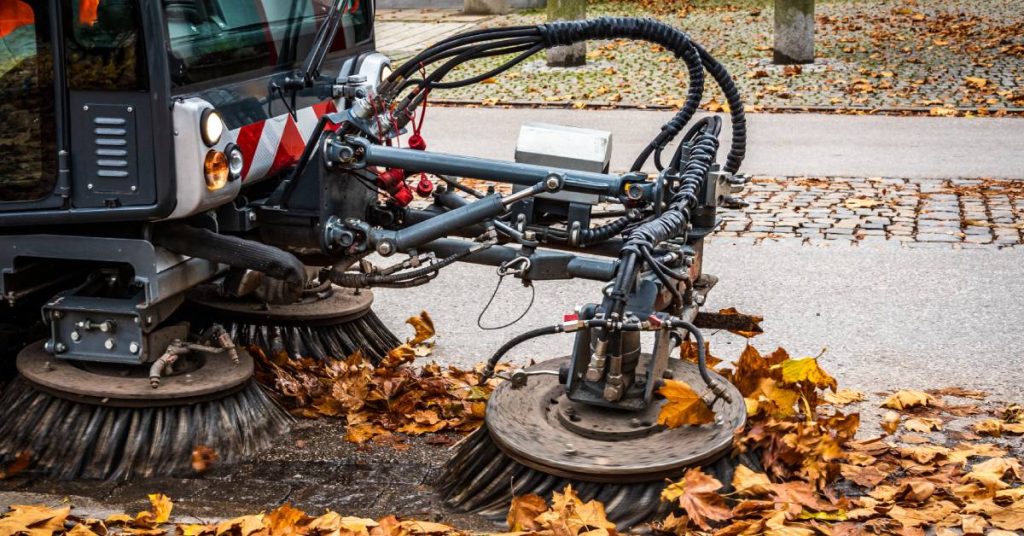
point(913, 213)
point(941, 57)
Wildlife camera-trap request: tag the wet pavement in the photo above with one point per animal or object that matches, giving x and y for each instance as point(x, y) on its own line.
point(312, 468)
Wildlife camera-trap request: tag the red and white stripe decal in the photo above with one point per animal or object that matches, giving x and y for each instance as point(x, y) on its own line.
point(276, 144)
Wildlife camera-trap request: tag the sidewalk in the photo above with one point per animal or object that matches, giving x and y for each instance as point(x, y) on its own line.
point(787, 145)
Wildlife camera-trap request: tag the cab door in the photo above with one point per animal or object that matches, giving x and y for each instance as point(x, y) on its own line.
point(110, 109)
point(30, 103)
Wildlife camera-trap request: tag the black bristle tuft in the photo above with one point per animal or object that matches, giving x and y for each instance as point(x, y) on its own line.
point(480, 478)
point(67, 440)
point(366, 334)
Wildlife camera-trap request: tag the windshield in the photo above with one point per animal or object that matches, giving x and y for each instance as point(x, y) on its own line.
point(212, 39)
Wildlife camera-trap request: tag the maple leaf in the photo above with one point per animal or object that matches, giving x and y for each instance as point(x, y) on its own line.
point(922, 424)
point(902, 400)
point(245, 525)
point(570, 513)
point(285, 520)
point(843, 397)
point(806, 370)
point(682, 406)
point(748, 483)
point(33, 519)
point(523, 513)
point(161, 507)
point(697, 494)
point(424, 327)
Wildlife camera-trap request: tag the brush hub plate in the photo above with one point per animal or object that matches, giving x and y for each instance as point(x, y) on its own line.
point(339, 306)
point(200, 377)
point(539, 427)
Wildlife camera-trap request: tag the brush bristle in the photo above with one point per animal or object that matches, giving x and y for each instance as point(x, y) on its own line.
point(366, 334)
point(481, 479)
point(68, 440)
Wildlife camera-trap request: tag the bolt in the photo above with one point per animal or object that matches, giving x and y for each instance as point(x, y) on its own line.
point(133, 347)
point(530, 235)
point(552, 182)
point(57, 315)
point(60, 348)
point(635, 423)
point(385, 248)
point(133, 188)
point(89, 186)
point(109, 344)
point(76, 336)
point(569, 450)
point(668, 375)
point(130, 109)
point(85, 108)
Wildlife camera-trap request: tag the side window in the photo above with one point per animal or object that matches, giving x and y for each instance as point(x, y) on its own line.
point(104, 51)
point(28, 137)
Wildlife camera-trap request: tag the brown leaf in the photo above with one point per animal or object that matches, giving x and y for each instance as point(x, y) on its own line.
point(424, 327)
point(682, 406)
point(748, 483)
point(697, 494)
point(522, 514)
point(20, 463)
point(285, 520)
point(902, 400)
point(203, 458)
point(245, 525)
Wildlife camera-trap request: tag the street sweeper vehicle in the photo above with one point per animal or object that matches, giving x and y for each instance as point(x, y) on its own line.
point(184, 183)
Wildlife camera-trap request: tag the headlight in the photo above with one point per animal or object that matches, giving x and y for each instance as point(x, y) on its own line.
point(216, 169)
point(236, 161)
point(211, 126)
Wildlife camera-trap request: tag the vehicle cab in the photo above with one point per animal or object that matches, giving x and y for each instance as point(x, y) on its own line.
point(147, 110)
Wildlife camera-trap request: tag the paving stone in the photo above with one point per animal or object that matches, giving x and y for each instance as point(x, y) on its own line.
point(936, 238)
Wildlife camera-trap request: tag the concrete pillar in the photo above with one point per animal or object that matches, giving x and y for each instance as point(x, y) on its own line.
point(574, 55)
point(794, 31)
point(485, 7)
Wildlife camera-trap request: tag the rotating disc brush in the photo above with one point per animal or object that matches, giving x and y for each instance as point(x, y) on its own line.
point(535, 440)
point(334, 324)
point(87, 420)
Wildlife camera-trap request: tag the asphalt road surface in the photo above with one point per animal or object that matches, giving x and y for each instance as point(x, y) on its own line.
point(888, 317)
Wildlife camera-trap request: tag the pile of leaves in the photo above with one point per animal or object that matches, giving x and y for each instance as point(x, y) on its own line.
point(813, 477)
point(283, 521)
point(378, 401)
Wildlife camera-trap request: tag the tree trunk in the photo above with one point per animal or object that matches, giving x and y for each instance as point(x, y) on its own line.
point(573, 55)
point(794, 31)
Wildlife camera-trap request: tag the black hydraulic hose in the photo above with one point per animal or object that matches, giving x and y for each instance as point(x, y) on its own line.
point(233, 251)
point(702, 363)
point(492, 363)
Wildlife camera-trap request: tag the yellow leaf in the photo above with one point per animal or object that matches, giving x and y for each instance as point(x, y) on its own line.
point(425, 527)
point(806, 370)
point(162, 507)
point(976, 81)
point(682, 406)
point(843, 397)
point(424, 327)
point(890, 422)
point(82, 530)
point(861, 202)
point(523, 512)
point(909, 399)
point(195, 530)
point(923, 425)
point(748, 483)
point(246, 525)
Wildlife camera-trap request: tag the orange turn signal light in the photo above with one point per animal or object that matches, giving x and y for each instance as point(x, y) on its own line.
point(216, 169)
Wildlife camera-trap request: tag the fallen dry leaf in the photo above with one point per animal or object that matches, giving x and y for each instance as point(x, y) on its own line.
point(683, 406)
point(908, 399)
